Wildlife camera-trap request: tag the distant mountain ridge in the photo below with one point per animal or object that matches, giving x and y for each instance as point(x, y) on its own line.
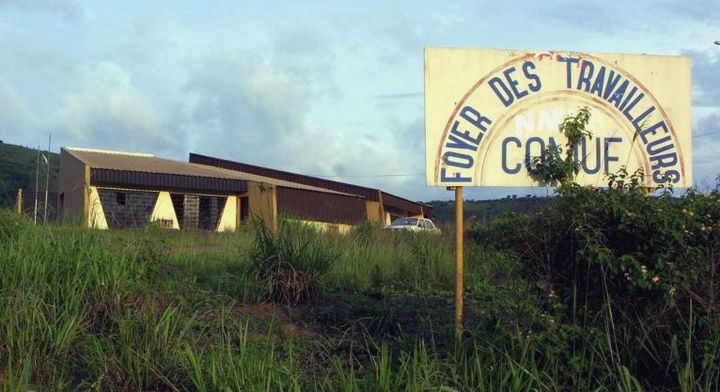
point(17, 170)
point(486, 210)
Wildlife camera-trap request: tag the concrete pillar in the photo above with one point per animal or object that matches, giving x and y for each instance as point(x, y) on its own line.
point(229, 217)
point(96, 214)
point(165, 211)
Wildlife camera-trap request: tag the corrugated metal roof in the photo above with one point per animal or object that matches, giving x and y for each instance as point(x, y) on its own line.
point(162, 181)
point(389, 200)
point(368, 193)
point(401, 204)
point(145, 163)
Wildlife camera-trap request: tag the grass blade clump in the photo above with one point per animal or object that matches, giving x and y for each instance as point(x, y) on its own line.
point(289, 264)
point(233, 362)
point(11, 227)
point(142, 354)
point(57, 286)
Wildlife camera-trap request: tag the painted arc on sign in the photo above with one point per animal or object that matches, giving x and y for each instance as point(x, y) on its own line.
point(488, 113)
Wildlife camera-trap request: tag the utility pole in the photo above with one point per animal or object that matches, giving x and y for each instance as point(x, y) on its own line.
point(37, 174)
point(47, 177)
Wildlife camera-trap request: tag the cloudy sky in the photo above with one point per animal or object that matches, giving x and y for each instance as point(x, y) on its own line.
point(323, 88)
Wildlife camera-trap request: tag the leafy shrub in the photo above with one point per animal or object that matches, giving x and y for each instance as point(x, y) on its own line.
point(551, 167)
point(639, 272)
point(290, 264)
point(642, 271)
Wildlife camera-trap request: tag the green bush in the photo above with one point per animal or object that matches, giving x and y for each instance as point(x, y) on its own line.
point(640, 271)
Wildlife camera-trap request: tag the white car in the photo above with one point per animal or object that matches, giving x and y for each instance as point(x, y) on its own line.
point(414, 224)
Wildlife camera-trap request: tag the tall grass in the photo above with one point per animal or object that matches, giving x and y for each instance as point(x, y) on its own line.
point(141, 354)
point(51, 288)
point(160, 310)
point(233, 362)
point(373, 258)
point(368, 258)
point(470, 368)
point(288, 266)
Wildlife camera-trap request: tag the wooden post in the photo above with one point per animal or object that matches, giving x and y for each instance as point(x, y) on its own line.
point(19, 202)
point(459, 261)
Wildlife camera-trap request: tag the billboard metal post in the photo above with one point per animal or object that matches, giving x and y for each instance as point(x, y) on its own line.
point(459, 261)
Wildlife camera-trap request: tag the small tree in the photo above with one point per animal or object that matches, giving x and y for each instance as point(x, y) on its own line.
point(551, 166)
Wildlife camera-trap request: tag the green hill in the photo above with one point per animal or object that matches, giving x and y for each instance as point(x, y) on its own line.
point(17, 170)
point(487, 210)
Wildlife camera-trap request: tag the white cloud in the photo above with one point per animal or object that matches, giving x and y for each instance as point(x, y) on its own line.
point(245, 103)
point(706, 65)
point(106, 107)
point(331, 90)
point(705, 147)
point(261, 104)
point(71, 10)
point(16, 117)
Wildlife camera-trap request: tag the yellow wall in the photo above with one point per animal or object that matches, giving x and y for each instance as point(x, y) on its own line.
point(96, 215)
point(228, 219)
point(263, 203)
point(72, 186)
point(326, 227)
point(374, 211)
point(164, 210)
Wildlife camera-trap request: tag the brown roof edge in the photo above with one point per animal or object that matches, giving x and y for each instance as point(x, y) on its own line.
point(368, 193)
point(166, 181)
point(399, 203)
point(126, 167)
point(322, 191)
point(408, 200)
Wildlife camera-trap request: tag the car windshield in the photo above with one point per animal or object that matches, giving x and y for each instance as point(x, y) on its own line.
point(405, 222)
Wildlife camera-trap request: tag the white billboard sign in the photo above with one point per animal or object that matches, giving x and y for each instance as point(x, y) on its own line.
point(489, 113)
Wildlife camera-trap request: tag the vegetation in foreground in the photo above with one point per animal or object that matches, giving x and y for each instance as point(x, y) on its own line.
point(603, 290)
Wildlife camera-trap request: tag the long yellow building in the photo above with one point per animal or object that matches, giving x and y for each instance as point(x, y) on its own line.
point(110, 189)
